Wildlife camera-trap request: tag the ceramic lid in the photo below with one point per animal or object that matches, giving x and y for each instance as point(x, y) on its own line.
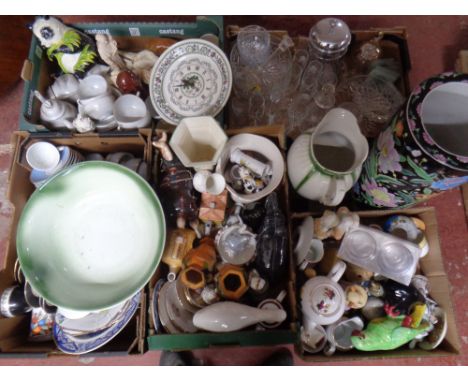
point(330, 37)
point(323, 300)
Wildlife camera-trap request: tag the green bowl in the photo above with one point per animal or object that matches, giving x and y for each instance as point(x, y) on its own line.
point(91, 237)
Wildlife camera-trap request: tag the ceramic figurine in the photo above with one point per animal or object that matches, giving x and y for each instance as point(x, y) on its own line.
point(197, 261)
point(140, 63)
point(213, 207)
point(177, 193)
point(271, 260)
point(228, 316)
point(399, 298)
point(74, 51)
point(387, 333)
point(231, 281)
point(179, 241)
point(325, 161)
point(335, 225)
point(356, 296)
point(356, 274)
point(375, 289)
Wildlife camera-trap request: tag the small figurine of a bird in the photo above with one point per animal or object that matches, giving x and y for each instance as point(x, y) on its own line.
point(388, 333)
point(74, 51)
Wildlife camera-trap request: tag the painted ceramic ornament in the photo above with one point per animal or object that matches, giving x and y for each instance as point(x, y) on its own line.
point(74, 51)
point(399, 298)
point(423, 151)
point(335, 224)
point(41, 326)
point(228, 316)
point(356, 296)
point(271, 260)
point(356, 274)
point(176, 188)
point(179, 242)
point(387, 333)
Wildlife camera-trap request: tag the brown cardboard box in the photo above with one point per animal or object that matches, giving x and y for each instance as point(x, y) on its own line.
point(283, 334)
point(14, 331)
point(431, 266)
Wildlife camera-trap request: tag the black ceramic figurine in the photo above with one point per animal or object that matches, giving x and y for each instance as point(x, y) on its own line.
point(399, 298)
point(271, 260)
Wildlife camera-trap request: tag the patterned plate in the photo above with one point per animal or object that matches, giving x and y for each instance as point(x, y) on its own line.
point(191, 78)
point(71, 345)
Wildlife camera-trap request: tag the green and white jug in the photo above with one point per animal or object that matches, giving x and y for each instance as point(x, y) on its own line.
point(325, 161)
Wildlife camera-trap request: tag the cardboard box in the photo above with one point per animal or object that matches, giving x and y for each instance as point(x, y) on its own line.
point(393, 44)
point(14, 331)
point(439, 289)
point(37, 69)
point(286, 333)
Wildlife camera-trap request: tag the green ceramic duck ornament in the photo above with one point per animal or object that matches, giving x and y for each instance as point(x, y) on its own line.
point(388, 333)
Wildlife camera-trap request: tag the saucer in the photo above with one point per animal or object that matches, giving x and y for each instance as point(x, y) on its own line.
point(70, 344)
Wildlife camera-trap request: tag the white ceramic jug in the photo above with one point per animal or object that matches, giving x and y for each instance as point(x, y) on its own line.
point(325, 161)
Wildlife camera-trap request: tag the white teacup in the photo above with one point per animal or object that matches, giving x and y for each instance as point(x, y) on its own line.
point(43, 156)
point(313, 338)
point(64, 87)
point(130, 112)
point(98, 108)
point(92, 86)
point(339, 334)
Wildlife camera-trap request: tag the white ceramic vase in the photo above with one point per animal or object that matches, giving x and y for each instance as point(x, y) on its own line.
point(227, 316)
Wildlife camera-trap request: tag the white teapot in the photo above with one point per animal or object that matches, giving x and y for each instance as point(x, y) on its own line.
point(325, 161)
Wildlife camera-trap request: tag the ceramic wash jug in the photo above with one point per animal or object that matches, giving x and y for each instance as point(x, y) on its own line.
point(424, 151)
point(325, 161)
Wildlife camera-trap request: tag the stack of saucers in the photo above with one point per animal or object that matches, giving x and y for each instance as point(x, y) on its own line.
point(90, 332)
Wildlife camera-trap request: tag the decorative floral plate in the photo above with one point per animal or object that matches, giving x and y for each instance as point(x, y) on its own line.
point(191, 78)
point(69, 344)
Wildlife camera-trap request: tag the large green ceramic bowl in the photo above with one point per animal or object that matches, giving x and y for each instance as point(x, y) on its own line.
point(91, 237)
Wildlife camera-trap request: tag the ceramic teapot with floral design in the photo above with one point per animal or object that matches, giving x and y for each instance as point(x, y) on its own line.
point(424, 151)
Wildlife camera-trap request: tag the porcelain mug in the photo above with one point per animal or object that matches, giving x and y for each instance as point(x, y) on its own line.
point(339, 334)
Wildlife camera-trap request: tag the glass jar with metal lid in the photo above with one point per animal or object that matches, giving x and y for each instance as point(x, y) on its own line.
point(329, 39)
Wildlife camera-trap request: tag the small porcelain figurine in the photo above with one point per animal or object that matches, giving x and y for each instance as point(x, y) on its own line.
point(74, 51)
point(213, 207)
point(271, 260)
point(356, 274)
point(179, 241)
point(356, 296)
point(228, 316)
point(399, 298)
point(388, 333)
point(335, 225)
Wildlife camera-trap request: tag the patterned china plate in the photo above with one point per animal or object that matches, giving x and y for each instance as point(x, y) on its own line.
point(191, 78)
point(69, 344)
